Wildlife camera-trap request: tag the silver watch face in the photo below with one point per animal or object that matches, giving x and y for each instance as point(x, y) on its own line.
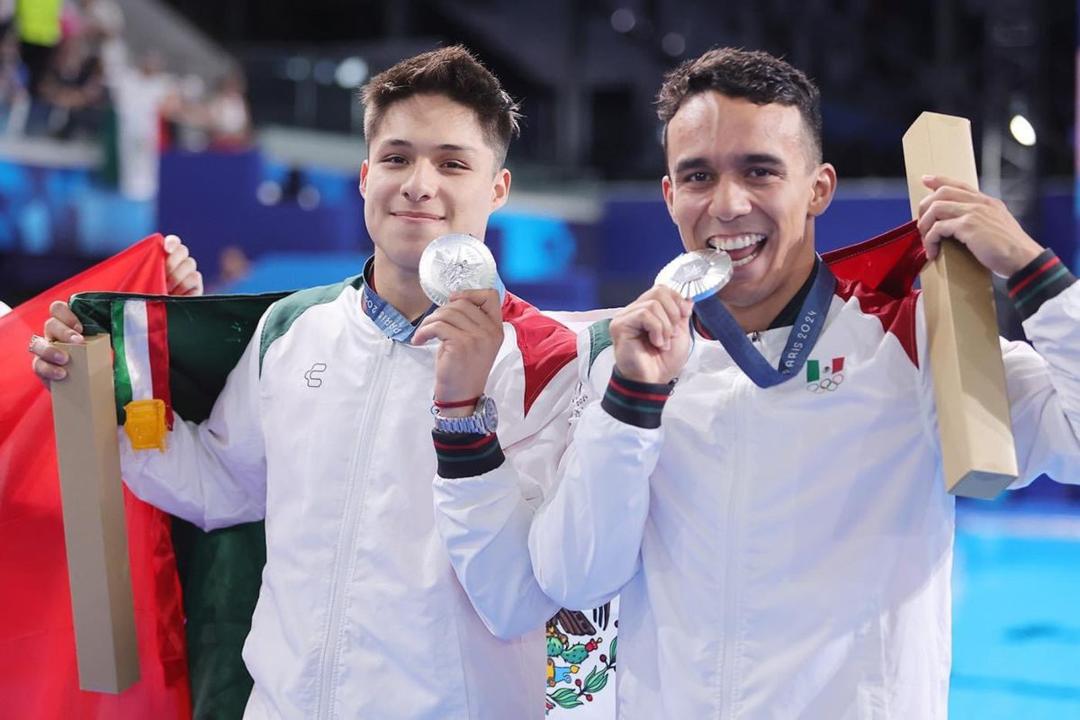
point(484, 420)
point(489, 413)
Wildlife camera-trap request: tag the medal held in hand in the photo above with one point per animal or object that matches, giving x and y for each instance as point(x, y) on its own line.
point(697, 275)
point(453, 263)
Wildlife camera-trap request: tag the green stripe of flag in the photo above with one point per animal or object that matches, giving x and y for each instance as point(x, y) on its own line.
point(120, 367)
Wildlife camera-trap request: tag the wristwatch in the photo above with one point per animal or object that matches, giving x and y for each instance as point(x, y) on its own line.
point(483, 421)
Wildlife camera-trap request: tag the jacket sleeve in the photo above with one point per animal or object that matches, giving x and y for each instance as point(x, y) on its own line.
point(212, 473)
point(586, 540)
point(1043, 382)
point(484, 508)
point(1043, 385)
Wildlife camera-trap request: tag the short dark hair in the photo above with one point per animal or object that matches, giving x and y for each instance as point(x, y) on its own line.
point(749, 74)
point(456, 73)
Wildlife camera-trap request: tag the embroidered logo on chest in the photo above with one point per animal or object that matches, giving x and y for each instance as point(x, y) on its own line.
point(827, 379)
point(314, 375)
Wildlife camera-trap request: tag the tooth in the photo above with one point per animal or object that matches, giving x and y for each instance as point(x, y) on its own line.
point(736, 242)
point(745, 260)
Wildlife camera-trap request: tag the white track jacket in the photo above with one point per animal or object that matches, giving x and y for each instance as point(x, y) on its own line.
point(323, 429)
point(786, 553)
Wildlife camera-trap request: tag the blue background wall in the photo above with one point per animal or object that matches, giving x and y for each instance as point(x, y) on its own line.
point(211, 200)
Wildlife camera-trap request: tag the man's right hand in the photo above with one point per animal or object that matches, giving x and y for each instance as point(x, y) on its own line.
point(651, 336)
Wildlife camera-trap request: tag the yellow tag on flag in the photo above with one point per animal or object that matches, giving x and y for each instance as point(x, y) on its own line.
point(145, 424)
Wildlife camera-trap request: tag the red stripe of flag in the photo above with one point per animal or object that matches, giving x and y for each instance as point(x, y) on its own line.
point(1026, 281)
point(837, 364)
point(38, 671)
point(157, 331)
point(636, 394)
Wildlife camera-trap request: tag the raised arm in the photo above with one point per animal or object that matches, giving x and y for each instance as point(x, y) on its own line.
point(586, 541)
point(1043, 380)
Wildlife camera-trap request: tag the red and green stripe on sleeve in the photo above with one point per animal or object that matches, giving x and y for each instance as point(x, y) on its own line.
point(636, 403)
point(462, 455)
point(1040, 280)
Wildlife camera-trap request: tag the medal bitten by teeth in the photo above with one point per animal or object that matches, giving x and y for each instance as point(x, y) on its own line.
point(698, 274)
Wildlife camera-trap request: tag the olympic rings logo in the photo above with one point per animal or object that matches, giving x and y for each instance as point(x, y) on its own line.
point(826, 384)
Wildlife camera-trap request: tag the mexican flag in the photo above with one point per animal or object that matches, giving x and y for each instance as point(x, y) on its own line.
point(179, 351)
point(194, 592)
point(38, 672)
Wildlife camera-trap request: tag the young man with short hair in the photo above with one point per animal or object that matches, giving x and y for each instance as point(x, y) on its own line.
point(360, 613)
point(781, 552)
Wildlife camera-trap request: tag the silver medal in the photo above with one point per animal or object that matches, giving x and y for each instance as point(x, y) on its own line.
point(452, 263)
point(697, 275)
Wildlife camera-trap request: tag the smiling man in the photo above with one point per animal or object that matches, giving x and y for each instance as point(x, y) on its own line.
point(745, 178)
point(360, 613)
point(776, 523)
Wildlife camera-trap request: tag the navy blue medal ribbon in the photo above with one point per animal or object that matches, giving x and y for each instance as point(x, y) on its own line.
point(387, 318)
point(804, 333)
point(391, 322)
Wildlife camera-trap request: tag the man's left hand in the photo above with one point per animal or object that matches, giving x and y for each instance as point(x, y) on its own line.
point(181, 274)
point(471, 331)
point(982, 223)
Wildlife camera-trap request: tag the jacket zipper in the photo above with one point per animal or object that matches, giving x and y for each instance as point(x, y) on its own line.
point(744, 393)
point(729, 591)
point(331, 651)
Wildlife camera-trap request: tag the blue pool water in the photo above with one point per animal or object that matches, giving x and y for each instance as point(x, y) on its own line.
point(1016, 616)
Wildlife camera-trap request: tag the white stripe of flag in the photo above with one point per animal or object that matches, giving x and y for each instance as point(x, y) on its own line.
point(137, 349)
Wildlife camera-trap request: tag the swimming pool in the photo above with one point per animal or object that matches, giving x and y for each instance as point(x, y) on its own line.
point(1016, 614)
